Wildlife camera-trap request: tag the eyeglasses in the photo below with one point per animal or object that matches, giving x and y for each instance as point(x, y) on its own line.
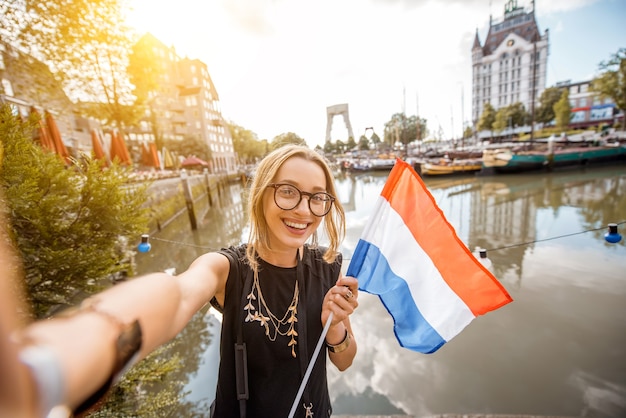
point(288, 197)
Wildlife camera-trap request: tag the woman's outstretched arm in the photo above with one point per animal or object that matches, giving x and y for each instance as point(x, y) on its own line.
point(85, 344)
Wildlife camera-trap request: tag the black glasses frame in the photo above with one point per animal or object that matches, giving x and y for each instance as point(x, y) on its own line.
point(276, 186)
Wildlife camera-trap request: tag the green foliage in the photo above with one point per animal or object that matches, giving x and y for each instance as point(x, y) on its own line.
point(403, 129)
point(286, 138)
point(510, 116)
point(468, 132)
point(146, 70)
point(71, 225)
point(376, 139)
point(85, 44)
point(611, 82)
point(191, 145)
point(351, 143)
point(544, 113)
point(487, 119)
point(246, 144)
point(563, 110)
point(364, 143)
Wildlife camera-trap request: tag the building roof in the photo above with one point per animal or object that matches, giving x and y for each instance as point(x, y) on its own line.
point(515, 20)
point(476, 41)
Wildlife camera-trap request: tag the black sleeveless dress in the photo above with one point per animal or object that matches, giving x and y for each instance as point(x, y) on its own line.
point(274, 375)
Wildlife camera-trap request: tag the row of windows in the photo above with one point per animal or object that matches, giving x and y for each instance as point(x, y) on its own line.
point(513, 62)
point(596, 100)
point(502, 88)
point(504, 76)
point(504, 62)
point(503, 100)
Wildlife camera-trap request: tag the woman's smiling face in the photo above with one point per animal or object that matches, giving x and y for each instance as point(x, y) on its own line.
point(289, 229)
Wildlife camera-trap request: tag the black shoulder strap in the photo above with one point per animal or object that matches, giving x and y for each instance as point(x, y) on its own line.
point(241, 355)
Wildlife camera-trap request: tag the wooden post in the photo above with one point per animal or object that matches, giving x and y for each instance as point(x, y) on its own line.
point(188, 199)
point(219, 188)
point(207, 180)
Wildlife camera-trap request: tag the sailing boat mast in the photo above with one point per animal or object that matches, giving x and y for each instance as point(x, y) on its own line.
point(534, 82)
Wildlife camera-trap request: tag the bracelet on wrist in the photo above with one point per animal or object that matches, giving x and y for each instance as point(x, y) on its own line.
point(338, 348)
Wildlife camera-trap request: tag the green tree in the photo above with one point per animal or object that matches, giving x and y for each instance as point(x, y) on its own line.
point(544, 113)
point(375, 140)
point(246, 144)
point(611, 83)
point(404, 130)
point(502, 120)
point(511, 116)
point(85, 43)
point(72, 227)
point(563, 110)
point(468, 132)
point(286, 138)
point(330, 148)
point(518, 115)
point(364, 143)
point(351, 143)
point(340, 146)
point(145, 71)
point(190, 145)
point(487, 119)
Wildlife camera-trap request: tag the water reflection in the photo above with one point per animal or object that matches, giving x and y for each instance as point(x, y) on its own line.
point(558, 349)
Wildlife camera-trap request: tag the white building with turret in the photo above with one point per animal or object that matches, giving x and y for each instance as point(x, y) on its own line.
point(511, 65)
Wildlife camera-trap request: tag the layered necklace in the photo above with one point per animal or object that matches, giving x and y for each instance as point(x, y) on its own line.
point(273, 325)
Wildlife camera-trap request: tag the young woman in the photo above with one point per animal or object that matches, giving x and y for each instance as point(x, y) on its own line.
point(276, 292)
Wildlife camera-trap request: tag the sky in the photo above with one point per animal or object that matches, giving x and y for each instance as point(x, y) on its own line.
point(278, 64)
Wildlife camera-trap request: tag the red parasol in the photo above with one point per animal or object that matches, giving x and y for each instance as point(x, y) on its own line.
point(154, 156)
point(55, 136)
point(44, 138)
point(119, 150)
point(98, 150)
point(145, 155)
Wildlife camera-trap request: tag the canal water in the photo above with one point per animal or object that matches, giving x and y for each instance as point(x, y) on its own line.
point(558, 349)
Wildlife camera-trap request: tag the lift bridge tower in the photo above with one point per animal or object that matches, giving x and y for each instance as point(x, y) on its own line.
point(334, 110)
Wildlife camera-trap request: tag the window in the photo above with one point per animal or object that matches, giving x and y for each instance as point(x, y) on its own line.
point(7, 87)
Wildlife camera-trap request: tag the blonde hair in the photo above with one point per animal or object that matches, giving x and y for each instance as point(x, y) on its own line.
point(334, 220)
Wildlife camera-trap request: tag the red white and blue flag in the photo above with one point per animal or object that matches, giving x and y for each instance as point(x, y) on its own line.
point(410, 256)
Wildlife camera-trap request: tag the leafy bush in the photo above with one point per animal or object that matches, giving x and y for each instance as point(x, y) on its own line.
point(72, 225)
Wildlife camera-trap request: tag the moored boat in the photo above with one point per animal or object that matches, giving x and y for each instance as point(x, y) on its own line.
point(369, 164)
point(446, 167)
point(511, 161)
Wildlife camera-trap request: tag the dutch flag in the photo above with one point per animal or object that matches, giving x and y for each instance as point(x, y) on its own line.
point(410, 256)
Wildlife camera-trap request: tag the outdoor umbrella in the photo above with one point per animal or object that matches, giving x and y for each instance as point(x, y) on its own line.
point(154, 156)
point(42, 132)
point(145, 155)
point(119, 150)
point(55, 136)
point(44, 138)
point(193, 161)
point(168, 160)
point(98, 149)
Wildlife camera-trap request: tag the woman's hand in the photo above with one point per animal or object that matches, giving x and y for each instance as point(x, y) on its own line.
point(341, 300)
